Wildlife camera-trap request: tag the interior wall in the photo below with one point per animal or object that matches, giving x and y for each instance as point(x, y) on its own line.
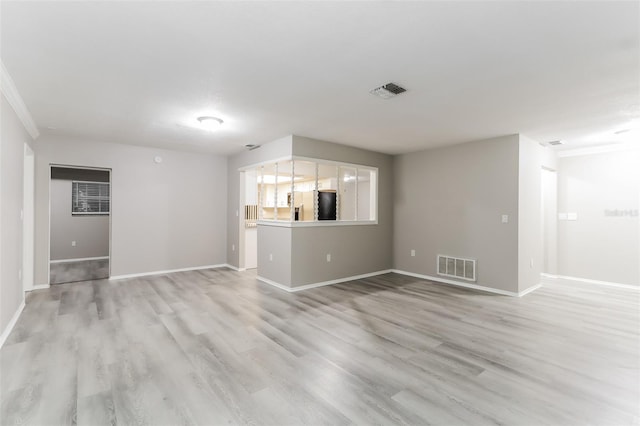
point(13, 136)
point(89, 232)
point(451, 200)
point(355, 250)
point(275, 254)
point(165, 216)
point(271, 151)
point(530, 236)
point(603, 191)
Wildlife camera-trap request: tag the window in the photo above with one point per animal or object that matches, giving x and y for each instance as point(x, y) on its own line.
point(306, 190)
point(89, 197)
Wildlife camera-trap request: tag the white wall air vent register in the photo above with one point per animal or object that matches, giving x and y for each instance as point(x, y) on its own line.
point(457, 267)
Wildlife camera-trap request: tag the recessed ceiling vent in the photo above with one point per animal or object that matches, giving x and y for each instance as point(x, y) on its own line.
point(251, 147)
point(388, 91)
point(556, 143)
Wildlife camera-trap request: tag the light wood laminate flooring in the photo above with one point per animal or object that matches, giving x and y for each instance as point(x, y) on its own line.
point(217, 347)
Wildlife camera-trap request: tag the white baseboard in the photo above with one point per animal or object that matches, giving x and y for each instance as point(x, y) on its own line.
point(275, 284)
point(12, 323)
point(467, 285)
point(321, 284)
point(589, 281)
point(529, 290)
point(80, 259)
point(40, 287)
point(167, 271)
point(235, 268)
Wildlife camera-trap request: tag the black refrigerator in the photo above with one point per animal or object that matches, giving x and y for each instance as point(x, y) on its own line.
point(327, 205)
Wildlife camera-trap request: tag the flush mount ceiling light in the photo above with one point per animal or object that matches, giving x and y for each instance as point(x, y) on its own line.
point(210, 123)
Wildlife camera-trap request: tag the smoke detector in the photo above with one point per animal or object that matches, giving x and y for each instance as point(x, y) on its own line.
point(388, 91)
point(556, 143)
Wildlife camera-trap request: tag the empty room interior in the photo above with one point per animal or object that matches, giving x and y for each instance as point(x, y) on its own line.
point(305, 213)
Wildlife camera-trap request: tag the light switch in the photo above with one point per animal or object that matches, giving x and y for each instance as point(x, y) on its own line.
point(413, 253)
point(505, 218)
point(572, 216)
point(562, 216)
point(73, 243)
point(328, 257)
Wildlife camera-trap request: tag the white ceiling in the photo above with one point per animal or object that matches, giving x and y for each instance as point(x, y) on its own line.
point(141, 72)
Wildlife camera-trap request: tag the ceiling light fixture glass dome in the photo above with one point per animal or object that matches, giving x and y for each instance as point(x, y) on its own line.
point(210, 123)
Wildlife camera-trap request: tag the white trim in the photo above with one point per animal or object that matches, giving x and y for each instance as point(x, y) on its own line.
point(597, 282)
point(28, 218)
point(319, 223)
point(438, 280)
point(262, 163)
point(12, 323)
point(71, 166)
point(334, 162)
point(275, 284)
point(167, 271)
point(10, 91)
point(322, 283)
point(80, 259)
point(41, 287)
point(235, 268)
point(529, 290)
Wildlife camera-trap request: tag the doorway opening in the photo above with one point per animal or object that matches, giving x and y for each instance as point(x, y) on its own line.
point(79, 223)
point(248, 241)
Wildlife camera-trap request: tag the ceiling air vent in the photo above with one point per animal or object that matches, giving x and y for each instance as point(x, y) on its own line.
point(556, 143)
point(388, 91)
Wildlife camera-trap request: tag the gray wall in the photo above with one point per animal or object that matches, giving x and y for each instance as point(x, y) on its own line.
point(13, 136)
point(90, 232)
point(450, 201)
point(274, 254)
point(354, 250)
point(164, 216)
point(596, 246)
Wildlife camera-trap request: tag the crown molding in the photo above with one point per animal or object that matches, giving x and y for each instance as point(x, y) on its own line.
point(10, 91)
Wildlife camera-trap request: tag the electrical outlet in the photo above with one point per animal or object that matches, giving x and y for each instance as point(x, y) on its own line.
point(73, 243)
point(328, 257)
point(413, 253)
point(271, 257)
point(505, 218)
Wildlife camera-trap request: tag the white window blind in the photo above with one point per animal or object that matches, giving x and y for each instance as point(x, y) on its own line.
point(90, 197)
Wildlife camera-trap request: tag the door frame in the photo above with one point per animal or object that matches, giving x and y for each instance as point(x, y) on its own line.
point(28, 219)
point(69, 166)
